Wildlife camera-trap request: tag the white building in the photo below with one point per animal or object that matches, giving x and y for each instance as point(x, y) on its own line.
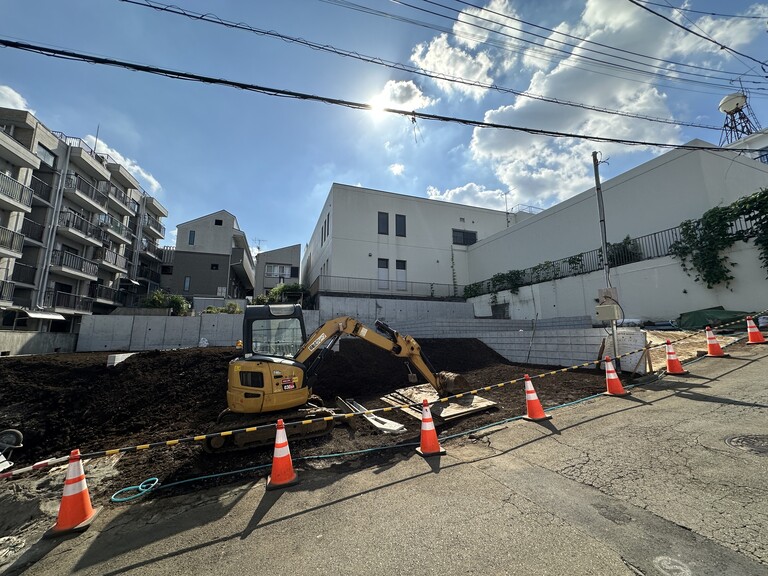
point(374, 242)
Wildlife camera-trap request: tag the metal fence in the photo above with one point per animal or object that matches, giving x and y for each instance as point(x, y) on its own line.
point(394, 288)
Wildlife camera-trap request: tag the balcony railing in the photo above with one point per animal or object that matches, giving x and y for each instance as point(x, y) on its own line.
point(74, 262)
point(123, 198)
point(150, 247)
point(6, 291)
point(33, 230)
point(15, 190)
point(59, 300)
point(374, 287)
point(113, 258)
point(11, 240)
point(115, 225)
point(77, 222)
point(75, 182)
point(24, 273)
point(106, 293)
point(147, 273)
point(41, 189)
point(154, 223)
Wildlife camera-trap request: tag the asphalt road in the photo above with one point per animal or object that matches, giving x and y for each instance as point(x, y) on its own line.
point(669, 481)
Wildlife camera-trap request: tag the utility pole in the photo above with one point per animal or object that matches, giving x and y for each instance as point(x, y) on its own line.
point(606, 265)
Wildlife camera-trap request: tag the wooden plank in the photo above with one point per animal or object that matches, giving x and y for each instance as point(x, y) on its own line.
point(455, 408)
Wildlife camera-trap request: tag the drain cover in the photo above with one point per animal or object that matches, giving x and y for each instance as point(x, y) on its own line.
point(755, 444)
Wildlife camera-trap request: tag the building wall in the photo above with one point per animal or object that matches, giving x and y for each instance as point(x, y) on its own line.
point(209, 238)
point(198, 266)
point(288, 256)
point(349, 241)
point(652, 197)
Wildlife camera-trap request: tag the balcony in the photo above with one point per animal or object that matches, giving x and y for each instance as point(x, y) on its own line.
point(73, 266)
point(84, 194)
point(111, 260)
point(13, 151)
point(151, 249)
point(11, 243)
point(42, 192)
point(146, 273)
point(121, 203)
point(115, 228)
point(6, 292)
point(31, 230)
point(77, 228)
point(64, 302)
point(84, 157)
point(153, 227)
point(14, 196)
point(24, 274)
point(106, 295)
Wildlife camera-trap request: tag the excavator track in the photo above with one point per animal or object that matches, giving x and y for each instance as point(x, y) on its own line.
point(265, 437)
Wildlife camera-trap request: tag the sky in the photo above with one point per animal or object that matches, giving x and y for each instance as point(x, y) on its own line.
point(601, 68)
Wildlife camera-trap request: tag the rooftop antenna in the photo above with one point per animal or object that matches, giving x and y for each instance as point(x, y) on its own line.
point(740, 120)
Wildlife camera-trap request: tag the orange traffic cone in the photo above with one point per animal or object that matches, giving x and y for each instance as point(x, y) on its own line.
point(75, 510)
point(282, 474)
point(755, 336)
point(713, 348)
point(534, 411)
point(674, 367)
point(430, 446)
point(612, 380)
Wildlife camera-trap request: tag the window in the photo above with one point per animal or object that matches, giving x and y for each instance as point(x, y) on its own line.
point(191, 240)
point(400, 225)
point(167, 270)
point(763, 156)
point(383, 223)
point(46, 155)
point(464, 237)
point(218, 222)
point(278, 270)
point(400, 275)
point(214, 266)
point(187, 281)
point(294, 271)
point(383, 274)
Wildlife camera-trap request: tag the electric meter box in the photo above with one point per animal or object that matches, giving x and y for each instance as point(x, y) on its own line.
point(608, 312)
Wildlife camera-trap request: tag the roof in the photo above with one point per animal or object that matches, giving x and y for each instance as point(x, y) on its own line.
point(38, 314)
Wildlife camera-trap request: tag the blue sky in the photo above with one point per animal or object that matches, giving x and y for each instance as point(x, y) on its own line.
point(271, 161)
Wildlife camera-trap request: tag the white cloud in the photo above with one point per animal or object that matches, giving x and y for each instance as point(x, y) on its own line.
point(471, 194)
point(440, 57)
point(475, 25)
point(403, 95)
point(9, 98)
point(143, 176)
point(397, 169)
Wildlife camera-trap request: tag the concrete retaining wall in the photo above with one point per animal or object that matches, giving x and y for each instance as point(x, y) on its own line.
point(17, 342)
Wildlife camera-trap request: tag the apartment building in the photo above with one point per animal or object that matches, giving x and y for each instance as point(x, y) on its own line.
point(78, 235)
point(211, 259)
point(279, 266)
point(371, 242)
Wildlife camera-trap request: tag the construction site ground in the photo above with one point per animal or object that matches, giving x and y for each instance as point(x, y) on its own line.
point(74, 401)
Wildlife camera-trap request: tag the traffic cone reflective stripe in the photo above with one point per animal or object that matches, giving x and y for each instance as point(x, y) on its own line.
point(282, 466)
point(673, 364)
point(613, 384)
point(755, 336)
point(429, 445)
point(534, 411)
point(75, 511)
point(713, 348)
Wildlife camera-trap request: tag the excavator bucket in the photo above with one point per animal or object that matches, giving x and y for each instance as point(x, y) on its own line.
point(451, 383)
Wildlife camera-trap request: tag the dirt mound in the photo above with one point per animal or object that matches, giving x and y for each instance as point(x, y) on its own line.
point(67, 401)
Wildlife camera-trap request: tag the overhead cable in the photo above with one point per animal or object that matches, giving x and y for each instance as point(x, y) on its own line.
point(213, 19)
point(682, 9)
point(411, 114)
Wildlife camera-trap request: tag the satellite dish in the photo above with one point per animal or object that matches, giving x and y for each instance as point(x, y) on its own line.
point(732, 103)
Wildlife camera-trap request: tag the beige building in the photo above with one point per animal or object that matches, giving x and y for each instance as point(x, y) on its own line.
point(279, 266)
point(78, 235)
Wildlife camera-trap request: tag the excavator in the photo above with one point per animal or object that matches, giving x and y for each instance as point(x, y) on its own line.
point(279, 362)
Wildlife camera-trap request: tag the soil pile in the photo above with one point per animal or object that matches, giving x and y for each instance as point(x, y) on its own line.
point(61, 402)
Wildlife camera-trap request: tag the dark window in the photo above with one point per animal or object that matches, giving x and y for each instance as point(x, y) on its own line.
point(214, 266)
point(191, 238)
point(167, 270)
point(400, 225)
point(464, 237)
point(383, 263)
point(217, 222)
point(383, 223)
point(46, 155)
point(400, 264)
point(294, 271)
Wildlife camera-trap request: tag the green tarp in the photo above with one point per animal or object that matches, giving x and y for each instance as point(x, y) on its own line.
point(717, 316)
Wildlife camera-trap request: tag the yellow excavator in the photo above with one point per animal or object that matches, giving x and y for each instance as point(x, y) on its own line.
point(279, 361)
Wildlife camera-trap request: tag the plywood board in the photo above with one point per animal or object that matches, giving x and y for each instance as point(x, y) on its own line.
point(455, 408)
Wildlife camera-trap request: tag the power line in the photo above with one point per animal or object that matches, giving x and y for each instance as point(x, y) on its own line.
point(192, 77)
point(681, 9)
point(707, 38)
point(213, 19)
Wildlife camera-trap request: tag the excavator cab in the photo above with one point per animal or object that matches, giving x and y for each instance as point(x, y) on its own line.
point(273, 329)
